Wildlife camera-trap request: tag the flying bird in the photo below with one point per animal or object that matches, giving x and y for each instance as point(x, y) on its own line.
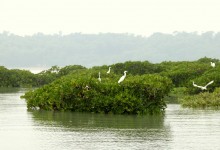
point(99, 78)
point(203, 87)
point(109, 69)
point(213, 64)
point(123, 77)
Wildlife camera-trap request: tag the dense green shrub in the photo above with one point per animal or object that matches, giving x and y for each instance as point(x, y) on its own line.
point(182, 72)
point(202, 100)
point(81, 91)
point(53, 73)
point(133, 67)
point(16, 78)
point(207, 60)
point(68, 69)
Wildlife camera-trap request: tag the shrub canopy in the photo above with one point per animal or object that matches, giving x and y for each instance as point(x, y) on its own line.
point(81, 91)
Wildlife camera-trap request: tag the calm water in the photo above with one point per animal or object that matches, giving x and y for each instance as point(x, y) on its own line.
point(40, 130)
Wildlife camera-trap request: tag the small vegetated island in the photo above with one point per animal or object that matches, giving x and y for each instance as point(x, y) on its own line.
point(145, 90)
point(82, 91)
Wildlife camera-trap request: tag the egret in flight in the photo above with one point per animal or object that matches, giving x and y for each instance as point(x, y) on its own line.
point(213, 64)
point(109, 69)
point(99, 78)
point(203, 87)
point(122, 78)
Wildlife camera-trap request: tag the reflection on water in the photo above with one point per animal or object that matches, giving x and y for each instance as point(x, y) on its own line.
point(126, 131)
point(90, 120)
point(9, 90)
point(180, 128)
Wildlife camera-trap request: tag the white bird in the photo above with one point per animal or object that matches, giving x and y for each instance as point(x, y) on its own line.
point(109, 69)
point(99, 78)
point(122, 78)
point(213, 64)
point(203, 87)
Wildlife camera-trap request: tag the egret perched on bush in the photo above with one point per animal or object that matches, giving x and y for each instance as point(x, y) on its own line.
point(203, 87)
point(122, 78)
point(99, 77)
point(213, 64)
point(109, 69)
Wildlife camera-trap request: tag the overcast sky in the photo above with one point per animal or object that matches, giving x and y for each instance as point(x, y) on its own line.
point(141, 17)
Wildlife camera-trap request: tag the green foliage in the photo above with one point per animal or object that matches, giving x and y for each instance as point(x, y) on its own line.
point(182, 72)
point(16, 78)
point(202, 100)
point(136, 67)
point(55, 72)
point(141, 75)
point(24, 78)
point(133, 67)
point(207, 60)
point(81, 91)
point(68, 69)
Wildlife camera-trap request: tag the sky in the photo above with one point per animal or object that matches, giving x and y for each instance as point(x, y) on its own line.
point(139, 17)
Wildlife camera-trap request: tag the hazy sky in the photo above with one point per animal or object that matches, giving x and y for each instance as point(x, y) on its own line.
point(143, 17)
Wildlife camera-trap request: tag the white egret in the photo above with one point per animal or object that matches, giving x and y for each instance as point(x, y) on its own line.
point(122, 78)
point(99, 78)
point(213, 64)
point(109, 69)
point(203, 87)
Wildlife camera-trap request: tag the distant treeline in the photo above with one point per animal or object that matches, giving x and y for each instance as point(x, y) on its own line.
point(97, 49)
point(24, 78)
point(181, 73)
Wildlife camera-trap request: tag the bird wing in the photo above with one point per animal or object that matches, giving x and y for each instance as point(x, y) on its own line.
point(197, 86)
point(209, 83)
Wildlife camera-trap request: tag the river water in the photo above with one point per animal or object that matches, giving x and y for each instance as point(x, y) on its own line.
point(179, 128)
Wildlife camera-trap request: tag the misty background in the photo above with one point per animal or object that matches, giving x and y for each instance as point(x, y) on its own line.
point(43, 50)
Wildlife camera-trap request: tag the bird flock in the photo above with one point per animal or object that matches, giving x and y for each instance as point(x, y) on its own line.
point(195, 85)
point(205, 87)
point(108, 72)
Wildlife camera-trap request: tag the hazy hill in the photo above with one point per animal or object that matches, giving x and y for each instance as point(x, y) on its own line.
point(100, 49)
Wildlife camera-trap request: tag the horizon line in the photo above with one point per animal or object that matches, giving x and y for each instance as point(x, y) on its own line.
point(62, 33)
